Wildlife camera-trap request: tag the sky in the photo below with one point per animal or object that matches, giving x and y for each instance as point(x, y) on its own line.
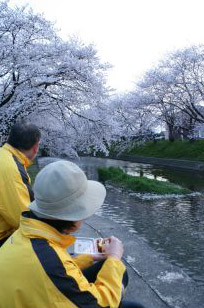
point(132, 35)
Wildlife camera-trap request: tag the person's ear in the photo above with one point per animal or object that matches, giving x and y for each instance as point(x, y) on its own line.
point(34, 150)
point(36, 147)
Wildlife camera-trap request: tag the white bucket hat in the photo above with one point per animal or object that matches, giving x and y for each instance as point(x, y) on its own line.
point(63, 192)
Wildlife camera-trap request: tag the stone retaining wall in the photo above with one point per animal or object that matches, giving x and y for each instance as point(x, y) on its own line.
point(173, 163)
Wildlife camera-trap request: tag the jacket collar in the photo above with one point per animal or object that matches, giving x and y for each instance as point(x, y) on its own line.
point(20, 156)
point(33, 228)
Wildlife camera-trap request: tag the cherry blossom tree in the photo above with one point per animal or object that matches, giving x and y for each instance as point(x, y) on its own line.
point(46, 78)
point(175, 88)
point(132, 119)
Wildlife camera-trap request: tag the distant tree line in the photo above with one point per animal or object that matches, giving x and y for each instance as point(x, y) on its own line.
point(172, 94)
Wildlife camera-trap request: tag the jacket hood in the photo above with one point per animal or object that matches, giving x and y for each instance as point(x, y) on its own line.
point(20, 155)
point(33, 228)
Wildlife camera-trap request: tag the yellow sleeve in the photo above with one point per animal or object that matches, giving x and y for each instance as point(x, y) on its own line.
point(14, 196)
point(83, 261)
point(107, 289)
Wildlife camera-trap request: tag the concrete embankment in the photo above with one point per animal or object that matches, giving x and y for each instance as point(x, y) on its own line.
point(154, 282)
point(167, 162)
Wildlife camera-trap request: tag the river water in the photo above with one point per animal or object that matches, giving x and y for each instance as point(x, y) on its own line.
point(172, 225)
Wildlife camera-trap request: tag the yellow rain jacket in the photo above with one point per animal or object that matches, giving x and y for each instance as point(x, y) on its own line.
point(15, 190)
point(36, 271)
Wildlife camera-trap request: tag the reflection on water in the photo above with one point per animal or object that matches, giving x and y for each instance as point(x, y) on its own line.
point(174, 227)
point(192, 180)
point(144, 171)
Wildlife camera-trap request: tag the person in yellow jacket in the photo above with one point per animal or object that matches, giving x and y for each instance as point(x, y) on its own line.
point(36, 269)
point(15, 186)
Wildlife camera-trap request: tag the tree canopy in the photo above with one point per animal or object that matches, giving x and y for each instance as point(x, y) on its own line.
point(45, 78)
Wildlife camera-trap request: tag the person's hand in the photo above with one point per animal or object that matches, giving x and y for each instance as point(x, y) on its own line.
point(113, 248)
point(100, 242)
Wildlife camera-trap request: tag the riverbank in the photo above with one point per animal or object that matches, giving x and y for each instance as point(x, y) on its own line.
point(179, 149)
point(186, 154)
point(139, 184)
point(166, 162)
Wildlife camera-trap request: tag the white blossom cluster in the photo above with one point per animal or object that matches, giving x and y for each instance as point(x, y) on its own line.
point(58, 84)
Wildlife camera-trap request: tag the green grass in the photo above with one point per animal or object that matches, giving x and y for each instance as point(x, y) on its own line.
point(186, 149)
point(138, 184)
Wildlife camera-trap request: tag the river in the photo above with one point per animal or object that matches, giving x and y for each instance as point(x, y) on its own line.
point(172, 225)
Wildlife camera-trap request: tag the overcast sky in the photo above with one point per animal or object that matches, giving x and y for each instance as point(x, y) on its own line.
point(132, 35)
